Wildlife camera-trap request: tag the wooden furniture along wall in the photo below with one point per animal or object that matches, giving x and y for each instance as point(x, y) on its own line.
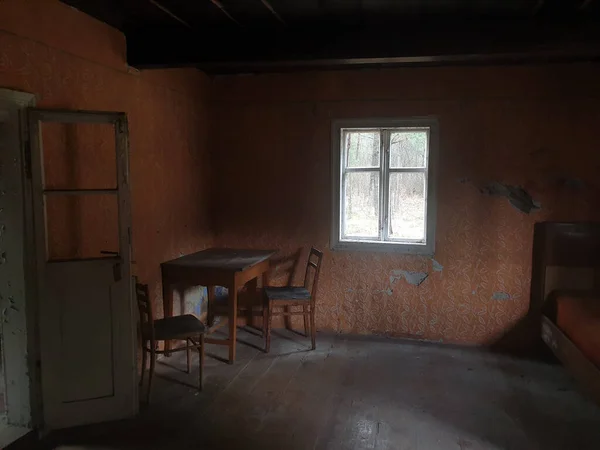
point(566, 258)
point(287, 297)
point(230, 268)
point(186, 327)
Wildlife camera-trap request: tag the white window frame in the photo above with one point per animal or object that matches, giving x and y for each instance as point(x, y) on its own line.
point(384, 243)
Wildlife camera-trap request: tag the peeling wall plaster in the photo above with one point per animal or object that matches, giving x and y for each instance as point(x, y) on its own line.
point(516, 195)
point(281, 195)
point(414, 278)
point(490, 120)
point(500, 296)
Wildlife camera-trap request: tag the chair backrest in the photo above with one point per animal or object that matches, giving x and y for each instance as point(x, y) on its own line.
point(313, 269)
point(145, 307)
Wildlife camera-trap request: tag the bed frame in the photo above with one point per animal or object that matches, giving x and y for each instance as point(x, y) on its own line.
point(566, 256)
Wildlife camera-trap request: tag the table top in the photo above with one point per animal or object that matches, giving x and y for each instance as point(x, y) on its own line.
point(235, 260)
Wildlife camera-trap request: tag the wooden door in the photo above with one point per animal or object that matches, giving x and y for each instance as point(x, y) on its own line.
point(80, 195)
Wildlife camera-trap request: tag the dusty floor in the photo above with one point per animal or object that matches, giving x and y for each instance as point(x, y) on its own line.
point(356, 393)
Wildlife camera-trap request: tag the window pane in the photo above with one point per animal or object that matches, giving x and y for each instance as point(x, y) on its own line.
point(408, 149)
point(362, 148)
point(81, 226)
point(79, 155)
point(407, 206)
point(361, 205)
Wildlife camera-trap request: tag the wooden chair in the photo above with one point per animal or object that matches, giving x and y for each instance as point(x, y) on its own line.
point(292, 296)
point(185, 327)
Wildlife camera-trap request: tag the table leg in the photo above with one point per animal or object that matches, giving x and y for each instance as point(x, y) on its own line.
point(167, 306)
point(233, 298)
point(265, 283)
point(251, 289)
point(180, 289)
point(287, 319)
point(210, 317)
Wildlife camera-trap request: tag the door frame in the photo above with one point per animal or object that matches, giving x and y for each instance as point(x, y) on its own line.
point(38, 252)
point(18, 290)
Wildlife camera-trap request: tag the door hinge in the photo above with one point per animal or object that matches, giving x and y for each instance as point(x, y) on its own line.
point(27, 159)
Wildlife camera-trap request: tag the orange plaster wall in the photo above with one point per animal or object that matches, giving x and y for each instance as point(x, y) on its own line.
point(530, 126)
point(69, 60)
point(270, 144)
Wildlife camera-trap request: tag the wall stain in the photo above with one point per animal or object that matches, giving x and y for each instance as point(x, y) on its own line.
point(516, 195)
point(437, 267)
point(571, 183)
point(501, 296)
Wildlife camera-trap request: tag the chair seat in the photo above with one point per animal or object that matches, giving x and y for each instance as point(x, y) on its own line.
point(287, 293)
point(177, 326)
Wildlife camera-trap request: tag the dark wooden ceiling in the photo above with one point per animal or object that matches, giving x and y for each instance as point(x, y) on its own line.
point(221, 36)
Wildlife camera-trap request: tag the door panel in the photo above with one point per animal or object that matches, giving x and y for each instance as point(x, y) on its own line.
point(86, 337)
point(83, 248)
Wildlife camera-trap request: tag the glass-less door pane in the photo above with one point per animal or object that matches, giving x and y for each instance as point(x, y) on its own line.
point(408, 149)
point(79, 155)
point(81, 226)
point(361, 205)
point(407, 200)
point(362, 148)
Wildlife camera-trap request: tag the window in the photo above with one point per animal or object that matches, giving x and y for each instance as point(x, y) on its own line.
point(384, 191)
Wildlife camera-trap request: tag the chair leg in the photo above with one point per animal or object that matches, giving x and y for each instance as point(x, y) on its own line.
point(313, 330)
point(209, 306)
point(144, 362)
point(269, 326)
point(151, 373)
point(201, 363)
point(188, 343)
point(305, 316)
point(265, 319)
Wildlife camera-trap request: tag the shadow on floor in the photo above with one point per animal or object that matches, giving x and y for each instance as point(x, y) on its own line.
point(523, 340)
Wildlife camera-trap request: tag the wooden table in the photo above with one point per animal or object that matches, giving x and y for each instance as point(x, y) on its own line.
point(230, 268)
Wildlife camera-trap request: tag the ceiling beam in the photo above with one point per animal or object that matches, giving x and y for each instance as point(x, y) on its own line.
point(169, 13)
point(536, 8)
point(405, 43)
point(270, 8)
point(219, 5)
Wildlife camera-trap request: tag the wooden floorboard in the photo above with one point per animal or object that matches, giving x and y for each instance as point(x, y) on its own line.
point(354, 393)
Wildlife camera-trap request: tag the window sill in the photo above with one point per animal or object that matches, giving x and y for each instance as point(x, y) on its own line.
point(387, 247)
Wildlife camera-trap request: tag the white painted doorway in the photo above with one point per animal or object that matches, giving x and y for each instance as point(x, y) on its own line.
point(81, 209)
point(17, 285)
